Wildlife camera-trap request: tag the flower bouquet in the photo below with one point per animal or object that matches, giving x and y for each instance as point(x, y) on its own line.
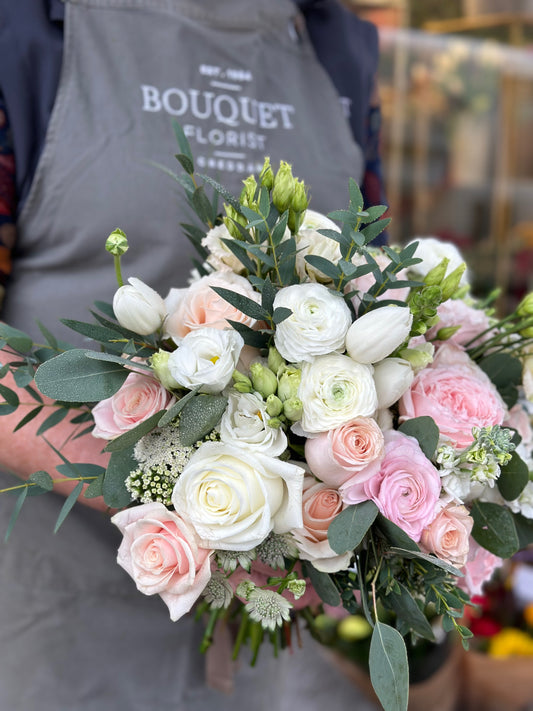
point(313, 425)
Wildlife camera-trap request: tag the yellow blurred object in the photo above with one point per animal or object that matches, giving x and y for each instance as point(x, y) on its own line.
point(511, 642)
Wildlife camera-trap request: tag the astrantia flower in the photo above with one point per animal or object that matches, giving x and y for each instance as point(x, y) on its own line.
point(229, 560)
point(218, 592)
point(275, 548)
point(269, 608)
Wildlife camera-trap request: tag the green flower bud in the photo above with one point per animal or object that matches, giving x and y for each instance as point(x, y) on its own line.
point(117, 243)
point(288, 382)
point(435, 276)
point(248, 192)
point(443, 334)
point(266, 176)
point(245, 589)
point(263, 379)
point(451, 283)
point(525, 307)
point(241, 382)
point(274, 406)
point(283, 187)
point(297, 588)
point(293, 409)
point(232, 216)
point(275, 361)
point(419, 357)
point(300, 201)
point(353, 628)
point(275, 423)
point(159, 363)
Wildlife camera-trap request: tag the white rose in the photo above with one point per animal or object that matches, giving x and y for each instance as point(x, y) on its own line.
point(376, 334)
point(245, 424)
point(392, 377)
point(234, 497)
point(432, 251)
point(334, 390)
point(220, 255)
point(310, 241)
point(318, 324)
point(138, 307)
point(206, 357)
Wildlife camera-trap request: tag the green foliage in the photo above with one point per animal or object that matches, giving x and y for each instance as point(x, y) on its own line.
point(350, 526)
point(389, 671)
point(513, 478)
point(494, 529)
point(199, 416)
point(505, 371)
point(425, 431)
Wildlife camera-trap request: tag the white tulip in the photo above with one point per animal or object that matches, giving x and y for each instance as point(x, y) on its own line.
point(378, 333)
point(392, 377)
point(138, 307)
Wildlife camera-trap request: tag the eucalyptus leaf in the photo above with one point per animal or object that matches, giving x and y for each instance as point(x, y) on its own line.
point(494, 529)
point(131, 437)
point(181, 139)
point(323, 585)
point(513, 478)
point(199, 416)
point(23, 377)
point(68, 505)
point(418, 555)
point(410, 613)
point(126, 362)
point(28, 417)
point(72, 377)
point(42, 479)
point(15, 339)
point(176, 408)
point(243, 303)
point(96, 332)
point(52, 420)
point(228, 197)
point(95, 488)
point(185, 162)
point(505, 371)
point(10, 396)
point(327, 268)
point(395, 535)
point(350, 526)
point(256, 339)
point(524, 529)
point(114, 491)
point(21, 498)
point(425, 431)
point(389, 669)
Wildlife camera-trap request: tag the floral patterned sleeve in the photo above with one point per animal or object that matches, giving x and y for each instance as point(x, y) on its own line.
point(7, 196)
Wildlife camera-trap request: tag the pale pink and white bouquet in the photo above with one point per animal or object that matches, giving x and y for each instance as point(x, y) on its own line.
point(313, 424)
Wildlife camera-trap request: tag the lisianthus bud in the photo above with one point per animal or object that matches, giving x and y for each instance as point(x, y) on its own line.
point(248, 192)
point(525, 307)
point(241, 382)
point(283, 187)
point(274, 406)
point(353, 628)
point(392, 377)
point(435, 276)
point(232, 216)
point(451, 283)
point(263, 379)
point(138, 307)
point(300, 201)
point(159, 362)
point(443, 334)
point(275, 423)
point(288, 382)
point(293, 409)
point(266, 176)
point(117, 243)
point(275, 361)
point(418, 356)
point(378, 333)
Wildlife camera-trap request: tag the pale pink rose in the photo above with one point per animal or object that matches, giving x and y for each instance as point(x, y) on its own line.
point(139, 397)
point(363, 283)
point(457, 394)
point(200, 305)
point(405, 485)
point(160, 552)
point(473, 322)
point(519, 420)
point(337, 455)
point(448, 535)
point(479, 568)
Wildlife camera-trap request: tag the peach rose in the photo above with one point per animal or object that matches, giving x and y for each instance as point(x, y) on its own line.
point(160, 552)
point(199, 305)
point(448, 535)
point(479, 567)
point(336, 455)
point(139, 397)
point(320, 505)
point(405, 485)
point(456, 394)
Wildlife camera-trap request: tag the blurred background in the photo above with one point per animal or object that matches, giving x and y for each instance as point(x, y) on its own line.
point(456, 86)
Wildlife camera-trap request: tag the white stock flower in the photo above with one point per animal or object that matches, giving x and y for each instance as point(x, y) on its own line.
point(234, 497)
point(310, 242)
point(206, 357)
point(432, 251)
point(245, 424)
point(220, 256)
point(138, 307)
point(318, 324)
point(334, 390)
point(524, 504)
point(376, 334)
point(392, 377)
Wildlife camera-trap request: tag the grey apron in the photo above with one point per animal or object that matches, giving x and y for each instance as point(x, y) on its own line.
point(74, 632)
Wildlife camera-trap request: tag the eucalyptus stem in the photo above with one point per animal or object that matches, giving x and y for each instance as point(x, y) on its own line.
point(27, 484)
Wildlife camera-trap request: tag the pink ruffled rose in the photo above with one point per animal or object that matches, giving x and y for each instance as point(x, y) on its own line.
point(448, 535)
point(405, 485)
point(479, 567)
point(160, 552)
point(457, 394)
point(472, 322)
point(199, 305)
point(139, 397)
point(335, 456)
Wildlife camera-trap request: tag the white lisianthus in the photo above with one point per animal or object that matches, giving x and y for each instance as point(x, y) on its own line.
point(318, 324)
point(335, 390)
point(234, 497)
point(206, 357)
point(392, 377)
point(310, 241)
point(220, 256)
point(138, 307)
point(378, 333)
point(432, 251)
point(245, 423)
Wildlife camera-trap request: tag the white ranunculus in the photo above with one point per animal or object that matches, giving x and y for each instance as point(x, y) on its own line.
point(432, 251)
point(206, 357)
point(220, 256)
point(318, 324)
point(378, 333)
point(310, 241)
point(235, 497)
point(392, 376)
point(335, 390)
point(138, 307)
point(245, 423)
